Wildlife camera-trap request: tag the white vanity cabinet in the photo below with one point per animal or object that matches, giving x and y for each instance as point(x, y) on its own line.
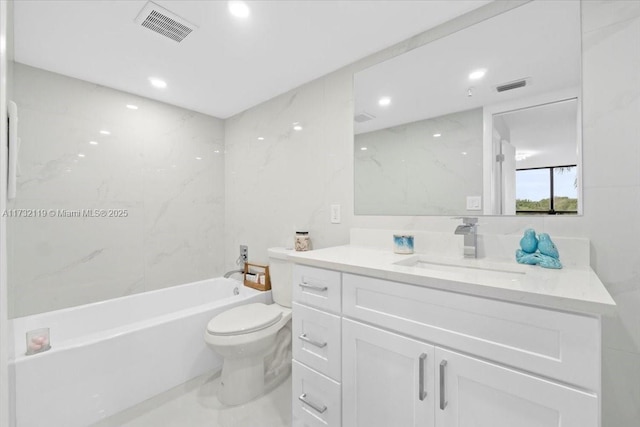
point(473, 392)
point(372, 352)
point(317, 347)
point(389, 328)
point(388, 378)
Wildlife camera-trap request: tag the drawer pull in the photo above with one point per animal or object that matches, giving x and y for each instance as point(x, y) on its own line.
point(314, 287)
point(314, 406)
point(443, 402)
point(421, 393)
point(318, 344)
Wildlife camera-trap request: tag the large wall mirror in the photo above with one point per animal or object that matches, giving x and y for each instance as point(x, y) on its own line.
point(483, 121)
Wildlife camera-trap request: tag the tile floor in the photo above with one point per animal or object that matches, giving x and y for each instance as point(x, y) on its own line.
point(194, 404)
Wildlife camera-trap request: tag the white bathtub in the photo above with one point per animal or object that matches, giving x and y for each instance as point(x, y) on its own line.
point(111, 355)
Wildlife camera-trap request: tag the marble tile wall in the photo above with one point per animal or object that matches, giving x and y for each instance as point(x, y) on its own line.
point(290, 179)
point(403, 168)
point(162, 166)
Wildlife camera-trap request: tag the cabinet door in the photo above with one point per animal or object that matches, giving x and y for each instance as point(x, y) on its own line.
point(387, 379)
point(474, 393)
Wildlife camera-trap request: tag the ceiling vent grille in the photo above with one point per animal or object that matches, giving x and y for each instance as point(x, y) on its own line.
point(363, 117)
point(162, 21)
point(513, 85)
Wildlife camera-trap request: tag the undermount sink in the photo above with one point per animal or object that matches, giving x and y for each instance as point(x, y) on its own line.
point(462, 266)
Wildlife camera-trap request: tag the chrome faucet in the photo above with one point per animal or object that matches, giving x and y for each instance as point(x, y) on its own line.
point(469, 229)
point(241, 261)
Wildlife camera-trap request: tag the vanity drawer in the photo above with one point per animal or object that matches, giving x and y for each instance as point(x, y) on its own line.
point(317, 287)
point(317, 340)
point(316, 398)
point(555, 344)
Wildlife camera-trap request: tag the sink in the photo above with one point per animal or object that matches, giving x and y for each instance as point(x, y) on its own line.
point(465, 266)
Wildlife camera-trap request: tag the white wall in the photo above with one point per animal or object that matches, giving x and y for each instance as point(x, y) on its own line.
point(146, 167)
point(403, 168)
point(4, 339)
point(291, 178)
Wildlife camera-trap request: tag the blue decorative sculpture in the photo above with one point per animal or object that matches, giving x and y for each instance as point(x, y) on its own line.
point(547, 247)
point(538, 251)
point(529, 242)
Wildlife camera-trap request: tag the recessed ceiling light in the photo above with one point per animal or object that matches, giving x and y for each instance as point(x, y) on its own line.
point(156, 82)
point(261, 138)
point(297, 126)
point(198, 158)
point(384, 101)
point(80, 155)
point(363, 148)
point(93, 142)
point(239, 9)
point(216, 151)
point(132, 107)
point(464, 153)
point(105, 132)
point(477, 74)
point(437, 135)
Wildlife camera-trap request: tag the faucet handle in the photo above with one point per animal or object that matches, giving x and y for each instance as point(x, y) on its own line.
point(469, 220)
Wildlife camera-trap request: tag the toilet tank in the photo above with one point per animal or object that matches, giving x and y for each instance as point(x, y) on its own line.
point(281, 271)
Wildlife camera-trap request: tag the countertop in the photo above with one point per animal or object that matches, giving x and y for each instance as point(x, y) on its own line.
point(575, 289)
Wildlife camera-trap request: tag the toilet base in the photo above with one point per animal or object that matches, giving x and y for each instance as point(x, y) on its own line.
point(244, 379)
point(241, 380)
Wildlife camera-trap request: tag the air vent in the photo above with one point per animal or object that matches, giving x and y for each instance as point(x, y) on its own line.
point(164, 22)
point(513, 85)
point(363, 117)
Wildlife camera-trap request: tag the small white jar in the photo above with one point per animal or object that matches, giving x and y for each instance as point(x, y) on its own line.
point(302, 241)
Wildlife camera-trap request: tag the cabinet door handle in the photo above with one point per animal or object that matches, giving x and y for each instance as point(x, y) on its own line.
point(318, 344)
point(314, 287)
point(319, 409)
point(421, 393)
point(443, 402)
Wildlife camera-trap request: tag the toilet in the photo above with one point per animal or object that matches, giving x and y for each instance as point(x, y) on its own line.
point(255, 339)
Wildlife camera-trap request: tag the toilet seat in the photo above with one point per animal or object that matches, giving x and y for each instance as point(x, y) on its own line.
point(245, 319)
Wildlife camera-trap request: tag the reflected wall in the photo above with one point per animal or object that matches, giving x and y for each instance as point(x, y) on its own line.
point(428, 167)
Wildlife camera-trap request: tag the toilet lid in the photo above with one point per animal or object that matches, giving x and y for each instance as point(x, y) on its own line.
point(245, 319)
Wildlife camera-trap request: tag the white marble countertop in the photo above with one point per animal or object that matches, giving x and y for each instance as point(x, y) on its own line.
point(576, 289)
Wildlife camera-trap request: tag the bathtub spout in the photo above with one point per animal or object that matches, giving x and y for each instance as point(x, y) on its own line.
point(232, 272)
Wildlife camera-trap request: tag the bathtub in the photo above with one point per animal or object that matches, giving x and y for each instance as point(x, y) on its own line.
point(110, 355)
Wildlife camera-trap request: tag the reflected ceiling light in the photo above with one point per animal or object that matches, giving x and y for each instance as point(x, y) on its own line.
point(437, 135)
point(261, 138)
point(198, 158)
point(132, 107)
point(239, 9)
point(384, 101)
point(477, 74)
point(105, 132)
point(156, 82)
point(296, 126)
point(521, 155)
point(80, 155)
point(363, 148)
point(93, 142)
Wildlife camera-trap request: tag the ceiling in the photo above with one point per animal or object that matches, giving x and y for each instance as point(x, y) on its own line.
point(226, 65)
point(538, 40)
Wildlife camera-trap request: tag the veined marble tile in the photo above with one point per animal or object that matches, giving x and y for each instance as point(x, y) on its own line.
point(611, 104)
point(597, 14)
point(620, 388)
point(181, 243)
point(164, 163)
point(57, 262)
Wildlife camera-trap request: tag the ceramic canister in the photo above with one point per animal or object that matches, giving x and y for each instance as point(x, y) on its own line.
point(403, 243)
